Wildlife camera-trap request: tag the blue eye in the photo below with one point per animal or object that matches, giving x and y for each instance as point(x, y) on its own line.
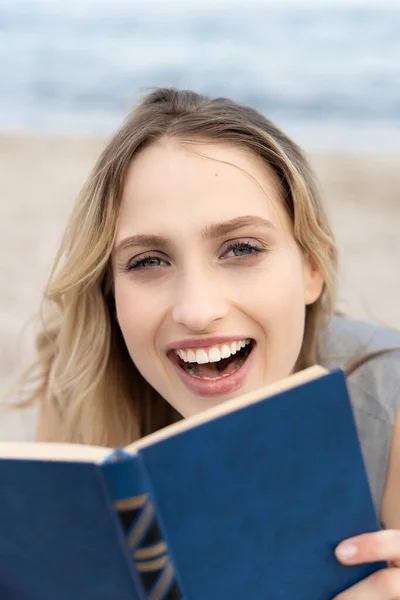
point(239, 249)
point(145, 262)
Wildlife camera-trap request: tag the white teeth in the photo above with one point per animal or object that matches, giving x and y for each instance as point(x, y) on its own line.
point(225, 351)
point(215, 354)
point(181, 354)
point(190, 356)
point(201, 357)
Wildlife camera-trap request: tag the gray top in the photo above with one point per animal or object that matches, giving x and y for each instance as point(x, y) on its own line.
point(374, 388)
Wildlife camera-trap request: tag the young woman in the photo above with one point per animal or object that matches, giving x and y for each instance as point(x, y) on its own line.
point(198, 265)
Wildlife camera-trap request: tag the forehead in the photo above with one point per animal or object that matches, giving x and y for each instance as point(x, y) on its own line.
point(196, 183)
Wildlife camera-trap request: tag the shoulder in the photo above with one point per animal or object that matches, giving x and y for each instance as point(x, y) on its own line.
point(375, 385)
point(374, 388)
point(344, 337)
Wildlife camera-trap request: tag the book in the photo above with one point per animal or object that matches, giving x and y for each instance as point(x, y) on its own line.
point(246, 500)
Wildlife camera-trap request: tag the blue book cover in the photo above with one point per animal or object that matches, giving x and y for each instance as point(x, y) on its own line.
point(60, 537)
point(247, 500)
point(156, 576)
point(252, 503)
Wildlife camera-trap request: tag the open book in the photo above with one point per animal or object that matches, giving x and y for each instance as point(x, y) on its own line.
point(245, 501)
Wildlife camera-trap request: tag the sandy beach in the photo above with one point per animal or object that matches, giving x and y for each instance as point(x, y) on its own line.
point(41, 177)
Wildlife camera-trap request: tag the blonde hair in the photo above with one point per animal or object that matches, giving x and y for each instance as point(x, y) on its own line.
point(83, 369)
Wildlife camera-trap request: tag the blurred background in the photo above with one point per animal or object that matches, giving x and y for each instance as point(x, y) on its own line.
point(328, 73)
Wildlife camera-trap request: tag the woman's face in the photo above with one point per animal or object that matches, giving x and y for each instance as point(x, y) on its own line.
point(210, 285)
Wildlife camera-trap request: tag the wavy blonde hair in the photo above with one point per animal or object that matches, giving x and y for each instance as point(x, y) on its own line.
point(82, 369)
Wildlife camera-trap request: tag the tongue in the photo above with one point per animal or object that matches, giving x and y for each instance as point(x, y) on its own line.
point(211, 369)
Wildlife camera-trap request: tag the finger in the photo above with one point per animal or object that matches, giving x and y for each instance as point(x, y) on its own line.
point(381, 585)
point(370, 547)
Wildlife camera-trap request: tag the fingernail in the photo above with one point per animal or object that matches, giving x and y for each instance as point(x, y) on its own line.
point(346, 551)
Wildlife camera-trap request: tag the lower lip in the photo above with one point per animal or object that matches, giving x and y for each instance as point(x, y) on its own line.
point(218, 387)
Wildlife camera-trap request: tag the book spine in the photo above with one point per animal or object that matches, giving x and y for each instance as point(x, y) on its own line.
point(155, 573)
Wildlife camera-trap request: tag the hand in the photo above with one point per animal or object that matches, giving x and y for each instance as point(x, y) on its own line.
point(367, 548)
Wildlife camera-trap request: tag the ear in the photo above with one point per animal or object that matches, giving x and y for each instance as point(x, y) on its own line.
point(313, 280)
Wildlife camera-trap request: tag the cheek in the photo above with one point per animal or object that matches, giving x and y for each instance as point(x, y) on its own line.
point(139, 315)
point(276, 299)
point(136, 316)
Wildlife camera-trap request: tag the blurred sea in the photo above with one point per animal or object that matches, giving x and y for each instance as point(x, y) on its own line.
point(328, 76)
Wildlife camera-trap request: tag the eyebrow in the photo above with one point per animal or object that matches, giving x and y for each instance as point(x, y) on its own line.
point(210, 232)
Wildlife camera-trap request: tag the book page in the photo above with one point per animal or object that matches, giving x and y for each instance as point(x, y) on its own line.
point(97, 454)
point(53, 451)
point(229, 406)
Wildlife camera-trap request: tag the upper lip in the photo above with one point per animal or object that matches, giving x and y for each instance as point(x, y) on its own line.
point(204, 342)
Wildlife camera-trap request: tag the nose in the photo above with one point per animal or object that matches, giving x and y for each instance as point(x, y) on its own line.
point(199, 303)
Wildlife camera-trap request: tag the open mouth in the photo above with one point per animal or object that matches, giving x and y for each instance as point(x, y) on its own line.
point(217, 363)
